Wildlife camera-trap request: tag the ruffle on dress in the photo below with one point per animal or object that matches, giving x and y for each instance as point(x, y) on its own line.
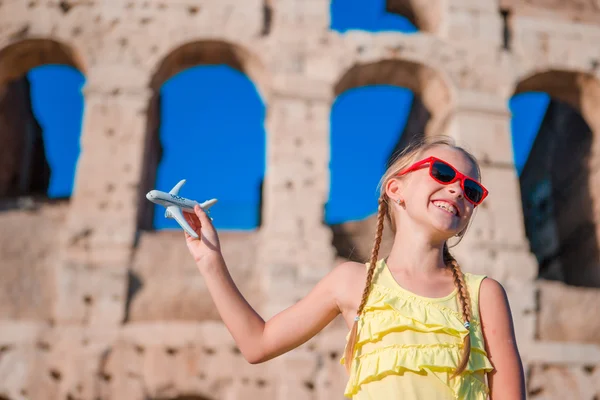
point(398, 359)
point(390, 311)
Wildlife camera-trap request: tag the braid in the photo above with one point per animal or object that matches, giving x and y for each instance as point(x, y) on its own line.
point(381, 212)
point(465, 306)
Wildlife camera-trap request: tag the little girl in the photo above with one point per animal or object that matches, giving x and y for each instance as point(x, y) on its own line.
point(419, 327)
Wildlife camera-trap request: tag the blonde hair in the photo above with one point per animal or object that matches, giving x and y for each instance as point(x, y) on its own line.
point(401, 161)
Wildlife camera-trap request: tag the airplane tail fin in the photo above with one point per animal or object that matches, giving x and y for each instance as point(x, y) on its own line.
point(176, 188)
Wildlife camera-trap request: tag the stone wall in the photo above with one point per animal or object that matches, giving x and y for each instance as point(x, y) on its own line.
point(93, 307)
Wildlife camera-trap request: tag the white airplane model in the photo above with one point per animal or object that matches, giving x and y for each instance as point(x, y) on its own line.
point(175, 205)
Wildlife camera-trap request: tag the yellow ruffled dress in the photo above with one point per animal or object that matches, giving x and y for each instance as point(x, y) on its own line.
point(408, 346)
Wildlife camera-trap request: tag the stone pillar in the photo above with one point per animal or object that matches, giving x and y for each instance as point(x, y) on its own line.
point(296, 249)
point(496, 244)
point(100, 230)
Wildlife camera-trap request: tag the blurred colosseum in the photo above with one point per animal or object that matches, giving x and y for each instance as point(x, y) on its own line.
point(96, 305)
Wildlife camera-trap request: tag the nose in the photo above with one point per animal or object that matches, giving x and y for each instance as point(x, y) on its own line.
point(455, 188)
point(150, 195)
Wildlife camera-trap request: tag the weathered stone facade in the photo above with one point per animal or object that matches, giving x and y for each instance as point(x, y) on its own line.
point(93, 307)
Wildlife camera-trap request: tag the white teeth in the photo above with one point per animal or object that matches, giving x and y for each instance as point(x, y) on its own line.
point(446, 206)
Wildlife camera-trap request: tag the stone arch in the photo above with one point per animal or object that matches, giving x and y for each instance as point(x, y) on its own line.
point(424, 14)
point(560, 201)
point(182, 57)
point(425, 82)
point(210, 52)
point(25, 169)
point(18, 58)
point(428, 115)
point(579, 89)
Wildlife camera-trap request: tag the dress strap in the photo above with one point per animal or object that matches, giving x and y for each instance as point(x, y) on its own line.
point(378, 269)
point(473, 285)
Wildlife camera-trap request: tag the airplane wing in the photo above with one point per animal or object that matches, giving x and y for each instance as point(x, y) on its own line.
point(208, 204)
point(178, 215)
point(176, 188)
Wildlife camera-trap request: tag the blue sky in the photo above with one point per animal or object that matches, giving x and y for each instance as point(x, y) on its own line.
point(212, 131)
point(57, 103)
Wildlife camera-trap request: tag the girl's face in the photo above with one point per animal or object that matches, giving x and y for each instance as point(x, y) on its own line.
point(441, 208)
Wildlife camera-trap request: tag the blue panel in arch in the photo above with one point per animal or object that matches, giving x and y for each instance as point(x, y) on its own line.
point(366, 15)
point(366, 125)
point(57, 103)
point(212, 134)
point(528, 111)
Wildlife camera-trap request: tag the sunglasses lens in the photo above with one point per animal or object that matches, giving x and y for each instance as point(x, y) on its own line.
point(473, 191)
point(445, 173)
point(442, 172)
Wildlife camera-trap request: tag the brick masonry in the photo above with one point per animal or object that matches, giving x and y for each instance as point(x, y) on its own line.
point(93, 307)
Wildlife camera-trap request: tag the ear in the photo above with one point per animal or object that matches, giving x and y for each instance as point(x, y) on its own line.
point(394, 189)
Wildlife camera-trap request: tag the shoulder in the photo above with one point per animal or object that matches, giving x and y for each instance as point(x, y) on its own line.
point(344, 274)
point(348, 271)
point(491, 291)
point(494, 307)
point(340, 276)
point(347, 281)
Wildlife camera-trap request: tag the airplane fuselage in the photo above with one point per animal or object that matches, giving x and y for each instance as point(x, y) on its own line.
point(176, 205)
point(167, 199)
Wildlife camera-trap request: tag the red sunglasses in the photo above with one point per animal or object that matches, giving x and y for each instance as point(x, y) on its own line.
point(446, 174)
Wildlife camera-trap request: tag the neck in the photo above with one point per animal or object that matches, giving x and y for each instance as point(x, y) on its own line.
point(416, 253)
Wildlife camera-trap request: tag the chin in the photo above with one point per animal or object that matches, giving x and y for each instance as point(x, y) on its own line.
point(447, 234)
point(445, 229)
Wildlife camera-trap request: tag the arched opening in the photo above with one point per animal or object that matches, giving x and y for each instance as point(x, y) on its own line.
point(206, 125)
point(554, 131)
point(406, 16)
point(379, 109)
point(40, 122)
point(41, 110)
point(57, 102)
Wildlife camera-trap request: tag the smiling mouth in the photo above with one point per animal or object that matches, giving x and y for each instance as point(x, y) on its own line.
point(444, 206)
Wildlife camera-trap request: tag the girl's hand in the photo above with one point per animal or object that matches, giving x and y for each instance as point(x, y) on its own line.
point(207, 245)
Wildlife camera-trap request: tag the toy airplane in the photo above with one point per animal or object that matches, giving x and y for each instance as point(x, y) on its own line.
point(175, 205)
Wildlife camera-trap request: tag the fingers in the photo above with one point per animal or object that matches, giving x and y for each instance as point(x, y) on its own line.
point(192, 220)
point(189, 237)
point(202, 217)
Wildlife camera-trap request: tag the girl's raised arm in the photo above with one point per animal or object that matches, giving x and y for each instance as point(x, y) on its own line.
point(507, 380)
point(258, 340)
